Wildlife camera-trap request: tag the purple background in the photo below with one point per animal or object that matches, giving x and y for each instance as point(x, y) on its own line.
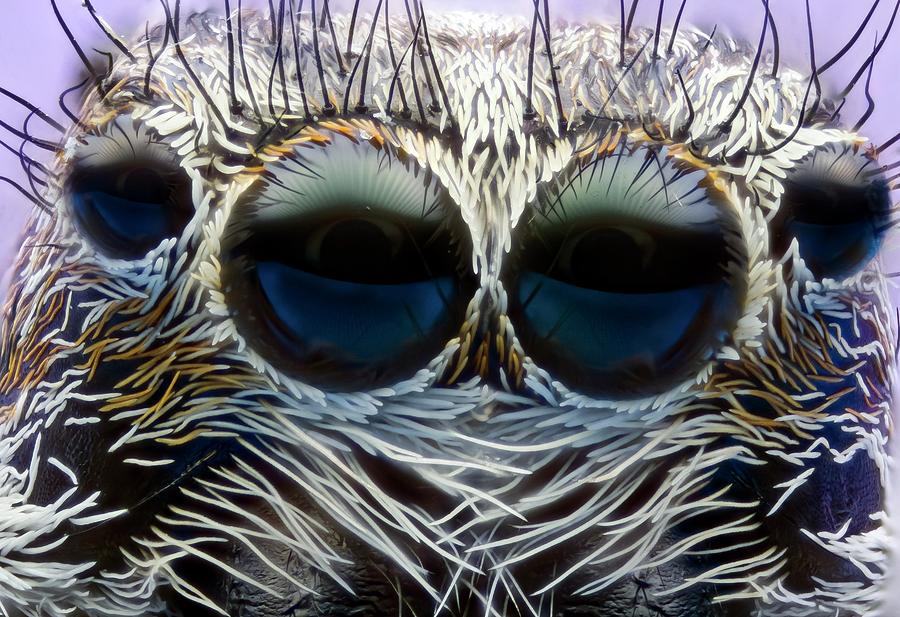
point(37, 62)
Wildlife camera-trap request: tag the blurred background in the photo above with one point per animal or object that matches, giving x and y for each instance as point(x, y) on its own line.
point(37, 62)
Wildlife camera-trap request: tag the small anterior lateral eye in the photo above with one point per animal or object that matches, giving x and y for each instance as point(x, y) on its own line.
point(126, 194)
point(837, 206)
point(346, 268)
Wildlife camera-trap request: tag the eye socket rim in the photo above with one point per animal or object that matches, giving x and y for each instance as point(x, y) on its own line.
point(870, 214)
point(173, 213)
point(733, 285)
point(242, 287)
point(97, 165)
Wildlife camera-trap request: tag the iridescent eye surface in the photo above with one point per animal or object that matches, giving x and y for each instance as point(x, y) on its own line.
point(346, 266)
point(126, 193)
point(837, 206)
point(620, 284)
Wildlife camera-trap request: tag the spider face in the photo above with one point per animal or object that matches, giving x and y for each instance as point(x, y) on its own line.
point(429, 326)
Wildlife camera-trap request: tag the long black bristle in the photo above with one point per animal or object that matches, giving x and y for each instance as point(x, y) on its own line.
point(364, 59)
point(675, 27)
point(35, 199)
point(631, 13)
point(752, 76)
point(299, 74)
point(62, 100)
point(776, 45)
point(327, 107)
point(658, 31)
point(843, 51)
point(871, 57)
point(172, 23)
point(445, 99)
point(870, 107)
point(622, 35)
point(107, 30)
point(245, 73)
point(74, 42)
point(352, 29)
point(229, 37)
point(529, 84)
point(396, 78)
point(394, 65)
point(33, 108)
point(327, 19)
point(813, 81)
point(684, 131)
point(554, 78)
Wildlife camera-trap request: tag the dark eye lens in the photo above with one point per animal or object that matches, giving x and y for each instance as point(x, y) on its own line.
point(620, 291)
point(836, 208)
point(355, 293)
point(128, 209)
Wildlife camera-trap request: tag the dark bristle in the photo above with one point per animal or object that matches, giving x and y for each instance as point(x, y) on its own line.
point(394, 65)
point(658, 31)
point(554, 78)
point(364, 58)
point(35, 199)
point(890, 142)
point(107, 30)
point(631, 13)
point(62, 101)
point(445, 99)
point(151, 59)
point(395, 80)
point(871, 57)
point(329, 21)
point(709, 40)
point(675, 27)
point(352, 29)
point(805, 112)
point(327, 107)
point(229, 37)
point(299, 74)
point(20, 154)
point(33, 108)
point(532, 42)
point(843, 51)
point(173, 25)
point(622, 35)
point(776, 45)
point(40, 143)
point(245, 74)
point(870, 107)
point(684, 130)
point(74, 42)
point(726, 125)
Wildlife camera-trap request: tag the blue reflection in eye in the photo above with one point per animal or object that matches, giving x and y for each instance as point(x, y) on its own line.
point(356, 322)
point(839, 227)
point(836, 204)
point(606, 332)
point(126, 211)
point(624, 309)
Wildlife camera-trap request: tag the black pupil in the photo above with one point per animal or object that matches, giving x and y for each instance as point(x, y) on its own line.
point(628, 259)
point(127, 209)
point(366, 250)
point(357, 250)
point(145, 185)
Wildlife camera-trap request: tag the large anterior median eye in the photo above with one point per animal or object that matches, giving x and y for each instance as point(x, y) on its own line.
point(346, 266)
point(837, 205)
point(621, 283)
point(126, 192)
